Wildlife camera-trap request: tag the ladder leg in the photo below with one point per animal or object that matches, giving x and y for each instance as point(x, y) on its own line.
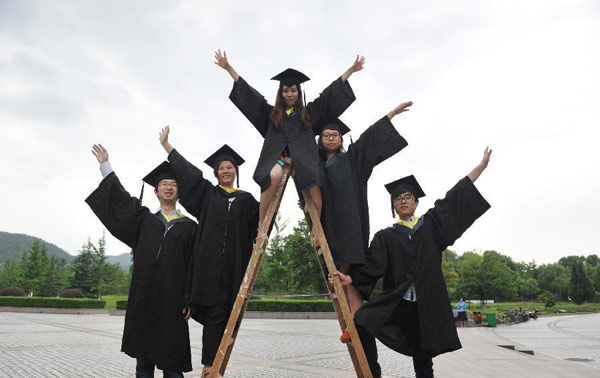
point(336, 291)
point(243, 297)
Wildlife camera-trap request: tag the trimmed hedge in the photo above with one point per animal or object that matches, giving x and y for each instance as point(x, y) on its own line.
point(277, 305)
point(290, 305)
point(51, 302)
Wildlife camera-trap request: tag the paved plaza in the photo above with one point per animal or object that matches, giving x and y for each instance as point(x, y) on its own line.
point(59, 345)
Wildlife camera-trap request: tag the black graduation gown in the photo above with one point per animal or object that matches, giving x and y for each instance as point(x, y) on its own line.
point(345, 215)
point(331, 103)
point(402, 260)
point(224, 236)
point(155, 328)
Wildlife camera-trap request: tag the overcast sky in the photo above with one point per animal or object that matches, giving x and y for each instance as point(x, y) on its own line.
point(521, 77)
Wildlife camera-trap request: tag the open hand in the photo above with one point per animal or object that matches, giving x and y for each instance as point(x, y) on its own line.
point(163, 135)
point(100, 153)
point(221, 59)
point(404, 107)
point(358, 64)
point(486, 157)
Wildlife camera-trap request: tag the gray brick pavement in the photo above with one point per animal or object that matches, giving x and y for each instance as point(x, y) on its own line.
point(58, 345)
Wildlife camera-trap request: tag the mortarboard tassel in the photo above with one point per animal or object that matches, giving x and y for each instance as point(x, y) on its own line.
point(141, 194)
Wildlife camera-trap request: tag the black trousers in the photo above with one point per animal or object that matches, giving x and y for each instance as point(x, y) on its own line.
point(408, 314)
point(145, 369)
point(214, 321)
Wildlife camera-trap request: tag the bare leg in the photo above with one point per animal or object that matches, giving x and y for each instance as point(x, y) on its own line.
point(267, 195)
point(315, 193)
point(352, 294)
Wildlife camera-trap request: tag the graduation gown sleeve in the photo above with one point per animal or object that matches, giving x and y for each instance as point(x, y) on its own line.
point(118, 211)
point(193, 187)
point(456, 212)
point(376, 144)
point(331, 103)
point(365, 276)
point(252, 105)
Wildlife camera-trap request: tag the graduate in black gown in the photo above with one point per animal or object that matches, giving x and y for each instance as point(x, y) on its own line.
point(345, 215)
point(227, 224)
point(288, 126)
point(413, 315)
point(156, 330)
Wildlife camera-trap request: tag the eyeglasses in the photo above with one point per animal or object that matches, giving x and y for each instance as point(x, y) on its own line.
point(330, 136)
point(405, 198)
point(167, 184)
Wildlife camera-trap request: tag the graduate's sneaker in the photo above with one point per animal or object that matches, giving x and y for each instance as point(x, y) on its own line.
point(345, 338)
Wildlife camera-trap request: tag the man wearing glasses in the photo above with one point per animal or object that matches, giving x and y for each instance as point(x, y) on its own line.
point(413, 315)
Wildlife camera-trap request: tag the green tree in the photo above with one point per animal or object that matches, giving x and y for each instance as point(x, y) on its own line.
point(305, 272)
point(11, 274)
point(449, 260)
point(85, 272)
point(498, 277)
point(555, 279)
point(581, 288)
point(54, 278)
point(592, 260)
point(469, 269)
point(275, 272)
point(34, 266)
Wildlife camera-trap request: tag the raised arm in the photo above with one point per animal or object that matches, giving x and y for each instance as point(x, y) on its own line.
point(163, 137)
point(193, 187)
point(476, 172)
point(120, 213)
point(221, 61)
point(334, 99)
point(377, 143)
point(358, 65)
point(460, 208)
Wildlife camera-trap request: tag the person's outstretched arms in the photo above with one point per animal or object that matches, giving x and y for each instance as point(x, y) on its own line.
point(163, 137)
point(404, 107)
point(476, 172)
point(221, 61)
point(358, 65)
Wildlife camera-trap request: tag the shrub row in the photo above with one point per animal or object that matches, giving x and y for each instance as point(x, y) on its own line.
point(291, 305)
point(51, 302)
point(277, 305)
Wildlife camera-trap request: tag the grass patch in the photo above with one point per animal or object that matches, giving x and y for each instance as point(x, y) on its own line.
point(111, 301)
point(502, 308)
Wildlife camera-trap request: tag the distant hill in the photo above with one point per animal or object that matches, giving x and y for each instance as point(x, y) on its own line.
point(9, 243)
point(124, 260)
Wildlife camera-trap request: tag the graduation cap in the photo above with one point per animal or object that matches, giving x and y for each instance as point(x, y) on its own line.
point(335, 124)
point(290, 77)
point(403, 185)
point(162, 172)
point(225, 153)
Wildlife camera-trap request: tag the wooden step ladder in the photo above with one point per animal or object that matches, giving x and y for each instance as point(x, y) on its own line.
point(336, 291)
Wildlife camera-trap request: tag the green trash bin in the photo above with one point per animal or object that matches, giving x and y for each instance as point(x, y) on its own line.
point(491, 319)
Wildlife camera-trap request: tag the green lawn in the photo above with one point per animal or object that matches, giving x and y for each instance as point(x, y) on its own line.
point(111, 301)
point(503, 307)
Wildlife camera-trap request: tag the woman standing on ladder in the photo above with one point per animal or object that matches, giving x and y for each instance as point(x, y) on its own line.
point(288, 126)
point(345, 216)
